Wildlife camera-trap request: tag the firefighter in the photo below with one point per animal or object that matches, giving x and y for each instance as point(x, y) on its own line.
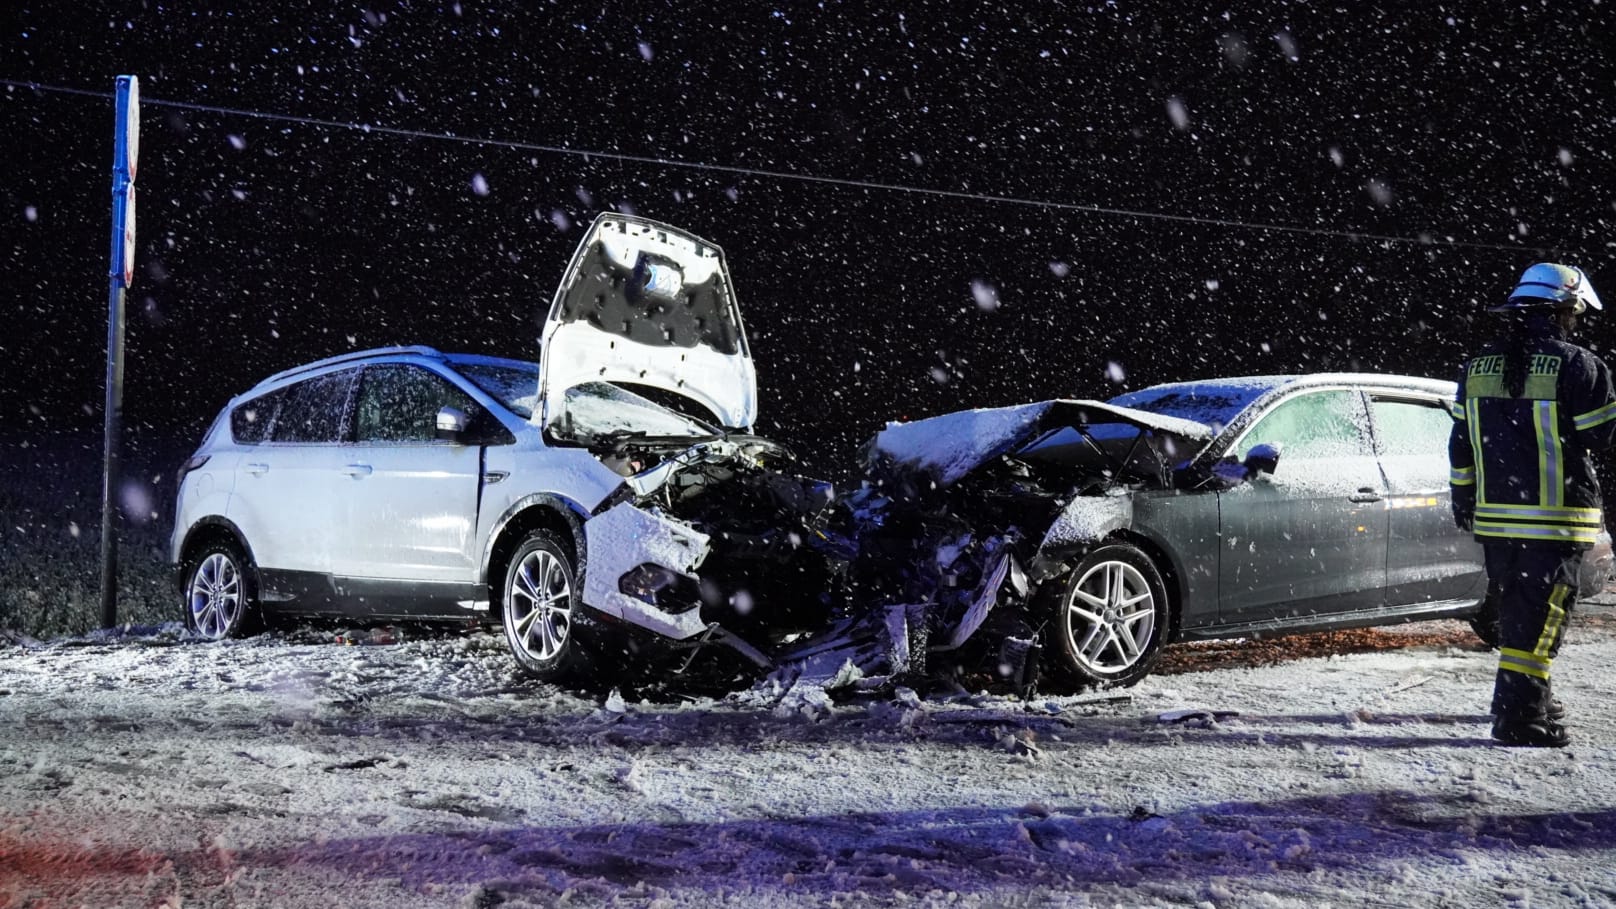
point(1531, 408)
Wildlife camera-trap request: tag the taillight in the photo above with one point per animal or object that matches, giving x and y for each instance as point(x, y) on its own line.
point(191, 463)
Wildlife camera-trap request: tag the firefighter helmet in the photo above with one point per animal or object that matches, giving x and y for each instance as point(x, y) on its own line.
point(1547, 285)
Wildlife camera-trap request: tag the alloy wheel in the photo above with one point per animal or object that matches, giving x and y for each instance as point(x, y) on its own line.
point(215, 596)
point(539, 605)
point(1110, 617)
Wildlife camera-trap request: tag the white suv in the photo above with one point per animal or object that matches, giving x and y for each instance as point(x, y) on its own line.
point(613, 485)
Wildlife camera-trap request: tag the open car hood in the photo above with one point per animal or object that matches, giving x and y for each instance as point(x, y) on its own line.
point(950, 446)
point(643, 303)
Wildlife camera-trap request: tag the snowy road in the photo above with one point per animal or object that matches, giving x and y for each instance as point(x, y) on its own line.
point(279, 774)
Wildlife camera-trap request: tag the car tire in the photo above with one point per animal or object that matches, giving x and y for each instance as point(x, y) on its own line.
point(539, 608)
point(1108, 620)
point(218, 595)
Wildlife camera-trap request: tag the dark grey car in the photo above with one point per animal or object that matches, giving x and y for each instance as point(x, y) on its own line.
point(1087, 535)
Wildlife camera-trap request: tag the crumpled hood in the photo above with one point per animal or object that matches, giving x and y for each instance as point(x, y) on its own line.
point(950, 446)
point(644, 303)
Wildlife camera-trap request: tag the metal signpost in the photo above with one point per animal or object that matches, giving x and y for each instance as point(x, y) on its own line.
point(126, 149)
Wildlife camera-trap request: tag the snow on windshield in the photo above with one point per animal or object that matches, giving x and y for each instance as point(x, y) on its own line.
point(1215, 403)
point(515, 386)
point(599, 408)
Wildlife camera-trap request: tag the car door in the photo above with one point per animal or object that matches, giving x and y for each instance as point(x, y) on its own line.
point(409, 501)
point(287, 489)
point(1309, 539)
point(1428, 559)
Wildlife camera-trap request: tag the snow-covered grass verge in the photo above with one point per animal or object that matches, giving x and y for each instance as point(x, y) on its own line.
point(50, 538)
point(153, 771)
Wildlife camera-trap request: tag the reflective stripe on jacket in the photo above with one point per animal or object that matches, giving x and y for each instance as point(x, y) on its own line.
point(1519, 465)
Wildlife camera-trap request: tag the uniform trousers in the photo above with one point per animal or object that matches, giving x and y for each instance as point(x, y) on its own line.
point(1537, 588)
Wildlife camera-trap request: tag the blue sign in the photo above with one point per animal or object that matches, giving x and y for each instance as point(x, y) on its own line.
point(125, 154)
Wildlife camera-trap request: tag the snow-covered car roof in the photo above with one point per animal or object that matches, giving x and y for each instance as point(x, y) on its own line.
point(949, 446)
point(1216, 402)
point(952, 445)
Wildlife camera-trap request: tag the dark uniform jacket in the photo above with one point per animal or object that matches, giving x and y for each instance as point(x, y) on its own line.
point(1520, 465)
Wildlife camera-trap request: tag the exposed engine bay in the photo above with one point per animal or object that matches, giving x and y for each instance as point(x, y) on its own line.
point(765, 564)
point(953, 542)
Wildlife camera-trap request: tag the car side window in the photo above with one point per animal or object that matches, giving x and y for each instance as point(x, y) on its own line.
point(1404, 427)
point(399, 403)
point(1319, 424)
point(250, 420)
point(315, 411)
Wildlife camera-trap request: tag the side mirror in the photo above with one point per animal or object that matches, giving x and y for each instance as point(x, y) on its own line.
point(452, 425)
point(1261, 458)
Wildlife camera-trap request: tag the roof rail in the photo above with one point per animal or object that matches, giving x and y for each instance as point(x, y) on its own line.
point(418, 349)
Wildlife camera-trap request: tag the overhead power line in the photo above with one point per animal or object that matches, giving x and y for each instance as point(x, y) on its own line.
point(787, 175)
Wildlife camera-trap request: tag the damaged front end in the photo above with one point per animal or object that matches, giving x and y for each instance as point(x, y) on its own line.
point(715, 544)
point(711, 538)
point(960, 518)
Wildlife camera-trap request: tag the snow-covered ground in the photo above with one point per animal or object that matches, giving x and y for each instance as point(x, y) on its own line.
point(284, 771)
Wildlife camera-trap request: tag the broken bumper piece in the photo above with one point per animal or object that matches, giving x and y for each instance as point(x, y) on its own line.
point(642, 570)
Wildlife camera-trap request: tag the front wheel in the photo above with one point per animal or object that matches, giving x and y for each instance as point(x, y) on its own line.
point(1110, 620)
point(219, 598)
point(540, 606)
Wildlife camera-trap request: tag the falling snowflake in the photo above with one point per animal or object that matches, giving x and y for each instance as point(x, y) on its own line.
point(645, 51)
point(1287, 46)
point(136, 501)
point(1115, 372)
point(986, 296)
point(1177, 113)
point(237, 142)
point(31, 213)
point(479, 184)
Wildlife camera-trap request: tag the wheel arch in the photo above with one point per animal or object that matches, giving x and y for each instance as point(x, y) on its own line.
point(538, 511)
point(210, 529)
point(1172, 577)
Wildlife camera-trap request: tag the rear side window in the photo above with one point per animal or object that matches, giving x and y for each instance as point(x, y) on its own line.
point(400, 403)
point(250, 421)
point(315, 410)
point(1411, 427)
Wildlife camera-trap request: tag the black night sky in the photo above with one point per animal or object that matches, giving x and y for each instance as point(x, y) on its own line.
point(1477, 142)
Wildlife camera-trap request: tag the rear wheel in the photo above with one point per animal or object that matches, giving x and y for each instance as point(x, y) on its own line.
point(1109, 620)
point(220, 601)
point(540, 606)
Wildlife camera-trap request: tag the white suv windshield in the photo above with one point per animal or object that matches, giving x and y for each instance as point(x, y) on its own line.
point(515, 386)
point(600, 409)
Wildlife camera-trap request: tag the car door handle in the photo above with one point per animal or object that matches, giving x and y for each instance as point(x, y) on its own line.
point(258, 470)
point(1364, 495)
point(356, 470)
